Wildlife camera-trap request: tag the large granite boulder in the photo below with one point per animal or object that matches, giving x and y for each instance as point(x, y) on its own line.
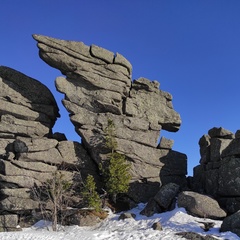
point(219, 169)
point(231, 223)
point(200, 205)
point(163, 201)
point(98, 87)
point(30, 154)
point(27, 107)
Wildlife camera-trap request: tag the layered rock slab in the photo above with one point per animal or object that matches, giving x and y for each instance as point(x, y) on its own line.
point(27, 107)
point(219, 169)
point(29, 153)
point(98, 87)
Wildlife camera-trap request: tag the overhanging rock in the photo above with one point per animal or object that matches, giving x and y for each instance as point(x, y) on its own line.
point(98, 87)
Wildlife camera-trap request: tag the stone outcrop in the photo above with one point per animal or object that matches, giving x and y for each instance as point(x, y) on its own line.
point(29, 153)
point(127, 215)
point(9, 223)
point(219, 169)
point(27, 107)
point(231, 223)
point(164, 200)
point(98, 87)
point(193, 235)
point(200, 205)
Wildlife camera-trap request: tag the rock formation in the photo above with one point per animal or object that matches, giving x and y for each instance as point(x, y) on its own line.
point(98, 87)
point(231, 223)
point(200, 205)
point(164, 200)
point(29, 153)
point(219, 169)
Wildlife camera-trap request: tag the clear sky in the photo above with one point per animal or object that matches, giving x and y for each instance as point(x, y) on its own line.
point(192, 47)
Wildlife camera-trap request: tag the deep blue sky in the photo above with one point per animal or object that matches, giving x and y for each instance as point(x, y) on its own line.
point(191, 47)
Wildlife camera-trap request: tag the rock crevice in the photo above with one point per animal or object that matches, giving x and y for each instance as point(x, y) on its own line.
point(98, 86)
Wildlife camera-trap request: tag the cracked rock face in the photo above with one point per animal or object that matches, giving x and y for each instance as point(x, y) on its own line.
point(219, 169)
point(98, 87)
point(27, 107)
point(29, 155)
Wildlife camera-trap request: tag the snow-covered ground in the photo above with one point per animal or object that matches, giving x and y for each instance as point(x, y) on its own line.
point(129, 229)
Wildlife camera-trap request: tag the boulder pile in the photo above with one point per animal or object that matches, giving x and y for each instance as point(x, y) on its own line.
point(29, 152)
point(98, 87)
point(219, 169)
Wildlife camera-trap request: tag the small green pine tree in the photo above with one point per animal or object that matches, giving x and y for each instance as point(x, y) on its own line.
point(111, 142)
point(90, 195)
point(116, 170)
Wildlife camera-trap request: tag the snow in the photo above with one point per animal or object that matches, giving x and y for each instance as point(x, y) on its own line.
point(129, 229)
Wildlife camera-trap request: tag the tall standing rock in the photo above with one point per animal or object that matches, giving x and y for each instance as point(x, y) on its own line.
point(98, 87)
point(219, 169)
point(29, 154)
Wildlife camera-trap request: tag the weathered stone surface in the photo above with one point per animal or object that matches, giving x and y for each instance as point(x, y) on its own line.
point(142, 103)
point(9, 223)
point(237, 134)
point(233, 148)
point(18, 127)
point(102, 53)
point(151, 208)
point(220, 133)
point(157, 226)
point(162, 201)
point(166, 194)
point(41, 144)
point(165, 143)
point(127, 215)
point(8, 168)
point(24, 99)
point(231, 223)
point(231, 204)
point(75, 157)
point(147, 186)
point(174, 169)
point(51, 156)
point(193, 235)
point(217, 146)
point(98, 87)
point(200, 205)
point(30, 154)
point(219, 169)
point(198, 181)
point(211, 181)
point(17, 199)
point(204, 143)
point(18, 181)
point(229, 177)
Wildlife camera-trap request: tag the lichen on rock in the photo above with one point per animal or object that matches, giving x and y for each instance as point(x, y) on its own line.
point(98, 86)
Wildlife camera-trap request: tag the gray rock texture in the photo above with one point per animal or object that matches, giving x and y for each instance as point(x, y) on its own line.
point(29, 153)
point(27, 107)
point(200, 205)
point(219, 169)
point(231, 223)
point(163, 201)
point(166, 194)
point(98, 87)
point(9, 223)
point(157, 226)
point(126, 215)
